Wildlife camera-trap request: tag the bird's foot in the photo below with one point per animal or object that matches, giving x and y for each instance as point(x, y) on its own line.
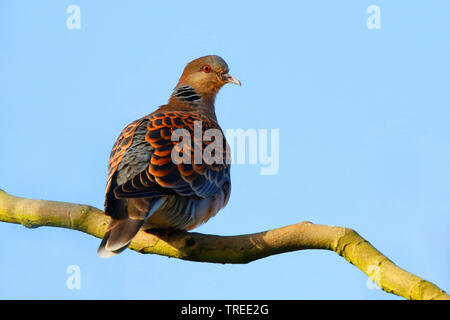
point(162, 232)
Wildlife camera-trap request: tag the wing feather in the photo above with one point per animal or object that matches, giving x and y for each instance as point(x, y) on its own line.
point(164, 177)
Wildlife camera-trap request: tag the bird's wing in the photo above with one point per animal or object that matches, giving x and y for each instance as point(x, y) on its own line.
point(165, 176)
point(120, 148)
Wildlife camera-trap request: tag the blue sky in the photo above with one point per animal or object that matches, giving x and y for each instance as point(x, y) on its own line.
point(362, 115)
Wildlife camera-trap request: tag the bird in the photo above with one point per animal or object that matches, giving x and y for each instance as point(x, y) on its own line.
point(146, 187)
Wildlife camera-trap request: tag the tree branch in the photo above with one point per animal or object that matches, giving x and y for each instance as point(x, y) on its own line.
point(229, 249)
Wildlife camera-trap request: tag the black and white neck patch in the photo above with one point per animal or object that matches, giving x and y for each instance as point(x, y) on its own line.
point(187, 94)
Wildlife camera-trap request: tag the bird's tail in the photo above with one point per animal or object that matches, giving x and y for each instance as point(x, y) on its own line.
point(119, 237)
point(126, 220)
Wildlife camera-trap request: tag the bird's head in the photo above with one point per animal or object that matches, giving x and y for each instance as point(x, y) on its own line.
point(207, 74)
point(204, 77)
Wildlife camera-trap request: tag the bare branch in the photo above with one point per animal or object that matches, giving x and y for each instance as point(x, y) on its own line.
point(229, 249)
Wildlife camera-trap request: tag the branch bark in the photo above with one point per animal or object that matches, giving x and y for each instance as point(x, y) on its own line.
point(229, 249)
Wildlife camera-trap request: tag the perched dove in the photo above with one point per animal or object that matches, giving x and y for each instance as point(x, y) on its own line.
point(156, 178)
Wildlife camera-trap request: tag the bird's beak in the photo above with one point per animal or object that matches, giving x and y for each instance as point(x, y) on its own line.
point(230, 79)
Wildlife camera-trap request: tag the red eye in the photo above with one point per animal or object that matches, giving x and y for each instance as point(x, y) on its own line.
point(206, 68)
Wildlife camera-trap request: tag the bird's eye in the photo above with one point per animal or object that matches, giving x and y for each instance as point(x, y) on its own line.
point(206, 68)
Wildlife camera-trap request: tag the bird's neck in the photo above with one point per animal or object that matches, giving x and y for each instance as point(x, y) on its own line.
point(187, 95)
